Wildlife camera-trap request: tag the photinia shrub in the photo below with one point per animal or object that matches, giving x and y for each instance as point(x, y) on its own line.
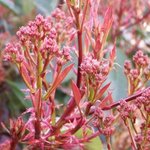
point(50, 46)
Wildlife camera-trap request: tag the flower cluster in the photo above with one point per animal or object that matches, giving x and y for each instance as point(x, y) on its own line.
point(140, 59)
point(13, 53)
point(126, 110)
point(102, 123)
point(136, 113)
point(64, 25)
point(143, 100)
point(94, 71)
point(138, 76)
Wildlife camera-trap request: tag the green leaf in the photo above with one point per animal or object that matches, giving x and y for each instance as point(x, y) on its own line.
point(94, 144)
point(11, 6)
point(17, 96)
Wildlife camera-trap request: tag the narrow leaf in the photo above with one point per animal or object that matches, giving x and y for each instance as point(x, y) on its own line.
point(76, 92)
point(17, 94)
point(98, 44)
point(107, 100)
point(25, 75)
point(102, 91)
point(58, 80)
point(112, 55)
point(102, 36)
point(36, 100)
point(107, 21)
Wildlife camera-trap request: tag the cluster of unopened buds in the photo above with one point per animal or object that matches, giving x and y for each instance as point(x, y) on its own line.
point(138, 76)
point(94, 71)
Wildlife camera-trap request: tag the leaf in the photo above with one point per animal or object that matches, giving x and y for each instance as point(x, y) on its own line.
point(107, 100)
point(107, 23)
point(17, 93)
point(36, 100)
point(16, 99)
point(11, 6)
point(112, 55)
point(76, 92)
point(102, 36)
point(25, 75)
point(94, 144)
point(58, 80)
point(102, 91)
point(71, 74)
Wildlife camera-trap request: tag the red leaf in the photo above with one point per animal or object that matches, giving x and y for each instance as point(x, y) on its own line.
point(36, 99)
point(76, 92)
point(98, 44)
point(113, 55)
point(102, 91)
point(102, 36)
point(108, 16)
point(58, 80)
point(107, 22)
point(107, 100)
point(25, 75)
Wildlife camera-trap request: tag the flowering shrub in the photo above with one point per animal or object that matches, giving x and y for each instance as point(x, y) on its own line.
point(50, 46)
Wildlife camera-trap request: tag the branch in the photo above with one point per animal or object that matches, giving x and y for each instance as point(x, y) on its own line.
point(128, 99)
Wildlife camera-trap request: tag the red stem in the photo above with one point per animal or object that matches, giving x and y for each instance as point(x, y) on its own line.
point(13, 143)
point(126, 99)
point(37, 129)
point(97, 133)
point(79, 58)
point(131, 136)
point(71, 105)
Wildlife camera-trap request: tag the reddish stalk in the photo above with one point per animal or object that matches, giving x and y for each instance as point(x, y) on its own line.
point(79, 58)
point(131, 136)
point(70, 107)
point(108, 143)
point(72, 104)
point(133, 97)
point(37, 129)
point(88, 138)
point(37, 124)
point(13, 144)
